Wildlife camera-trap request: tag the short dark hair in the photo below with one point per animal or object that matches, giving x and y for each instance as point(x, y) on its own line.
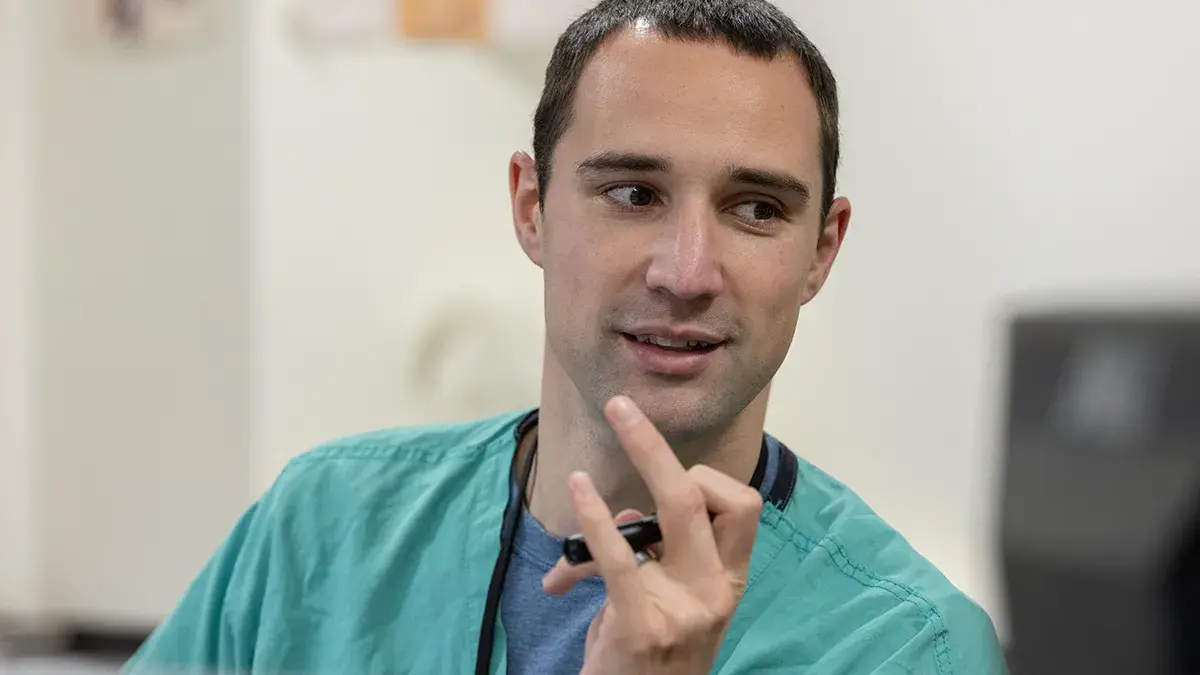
point(754, 27)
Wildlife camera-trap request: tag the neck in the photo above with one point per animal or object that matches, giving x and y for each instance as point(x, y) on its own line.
point(573, 436)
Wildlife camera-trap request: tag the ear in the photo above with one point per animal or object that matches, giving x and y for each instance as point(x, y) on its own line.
point(829, 242)
point(526, 205)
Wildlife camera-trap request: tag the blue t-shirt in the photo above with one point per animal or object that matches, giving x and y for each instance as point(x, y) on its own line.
point(547, 634)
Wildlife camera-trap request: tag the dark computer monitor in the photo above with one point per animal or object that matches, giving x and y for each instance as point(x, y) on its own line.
point(1100, 531)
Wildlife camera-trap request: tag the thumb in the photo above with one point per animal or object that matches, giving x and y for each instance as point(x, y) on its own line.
point(564, 576)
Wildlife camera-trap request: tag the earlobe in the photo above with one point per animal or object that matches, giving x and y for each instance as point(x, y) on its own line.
point(526, 205)
point(829, 243)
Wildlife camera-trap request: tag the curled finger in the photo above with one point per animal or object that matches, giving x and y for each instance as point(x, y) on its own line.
point(735, 509)
point(565, 575)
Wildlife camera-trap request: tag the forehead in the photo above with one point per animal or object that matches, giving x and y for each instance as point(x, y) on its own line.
point(694, 101)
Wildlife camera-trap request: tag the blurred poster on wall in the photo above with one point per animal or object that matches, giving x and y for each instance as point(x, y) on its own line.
point(444, 20)
point(143, 23)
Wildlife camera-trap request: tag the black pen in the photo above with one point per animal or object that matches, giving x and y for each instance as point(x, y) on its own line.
point(641, 535)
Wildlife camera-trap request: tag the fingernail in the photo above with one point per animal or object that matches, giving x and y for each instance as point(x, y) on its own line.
point(625, 412)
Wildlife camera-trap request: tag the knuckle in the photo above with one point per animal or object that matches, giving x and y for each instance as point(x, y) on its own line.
point(698, 627)
point(687, 498)
point(723, 596)
point(660, 641)
point(660, 636)
point(725, 604)
point(750, 501)
point(684, 628)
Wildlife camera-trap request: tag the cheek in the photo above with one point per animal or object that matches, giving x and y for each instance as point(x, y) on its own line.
point(783, 311)
point(574, 279)
point(778, 284)
point(585, 262)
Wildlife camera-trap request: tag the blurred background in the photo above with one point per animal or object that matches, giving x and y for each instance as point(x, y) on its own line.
point(232, 230)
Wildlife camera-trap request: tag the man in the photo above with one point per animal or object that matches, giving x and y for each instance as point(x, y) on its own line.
point(681, 206)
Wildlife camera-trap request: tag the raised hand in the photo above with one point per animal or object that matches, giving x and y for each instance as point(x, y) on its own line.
point(670, 613)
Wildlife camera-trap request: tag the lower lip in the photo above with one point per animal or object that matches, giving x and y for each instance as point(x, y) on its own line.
point(659, 361)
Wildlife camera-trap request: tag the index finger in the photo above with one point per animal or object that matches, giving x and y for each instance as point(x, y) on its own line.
point(653, 458)
point(682, 509)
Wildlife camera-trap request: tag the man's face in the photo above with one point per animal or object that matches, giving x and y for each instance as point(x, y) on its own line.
point(683, 210)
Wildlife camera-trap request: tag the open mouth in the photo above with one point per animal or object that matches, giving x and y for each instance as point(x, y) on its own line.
point(667, 344)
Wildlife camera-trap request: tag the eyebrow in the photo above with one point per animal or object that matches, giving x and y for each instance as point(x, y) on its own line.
point(614, 162)
point(776, 180)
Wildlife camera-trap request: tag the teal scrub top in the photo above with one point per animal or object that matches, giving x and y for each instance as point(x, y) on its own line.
point(373, 554)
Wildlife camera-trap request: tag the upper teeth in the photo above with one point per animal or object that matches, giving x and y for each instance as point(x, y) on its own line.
point(674, 344)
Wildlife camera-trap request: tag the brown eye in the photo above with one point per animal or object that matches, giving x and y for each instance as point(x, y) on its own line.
point(758, 211)
point(632, 195)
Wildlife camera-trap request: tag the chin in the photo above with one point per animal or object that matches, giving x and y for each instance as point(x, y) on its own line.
point(684, 416)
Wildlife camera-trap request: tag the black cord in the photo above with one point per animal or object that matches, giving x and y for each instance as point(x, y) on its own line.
point(512, 518)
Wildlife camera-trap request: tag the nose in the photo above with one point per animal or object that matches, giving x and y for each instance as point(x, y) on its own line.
point(686, 260)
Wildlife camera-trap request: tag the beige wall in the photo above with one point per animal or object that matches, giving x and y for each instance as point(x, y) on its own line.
point(143, 314)
point(19, 577)
point(382, 207)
